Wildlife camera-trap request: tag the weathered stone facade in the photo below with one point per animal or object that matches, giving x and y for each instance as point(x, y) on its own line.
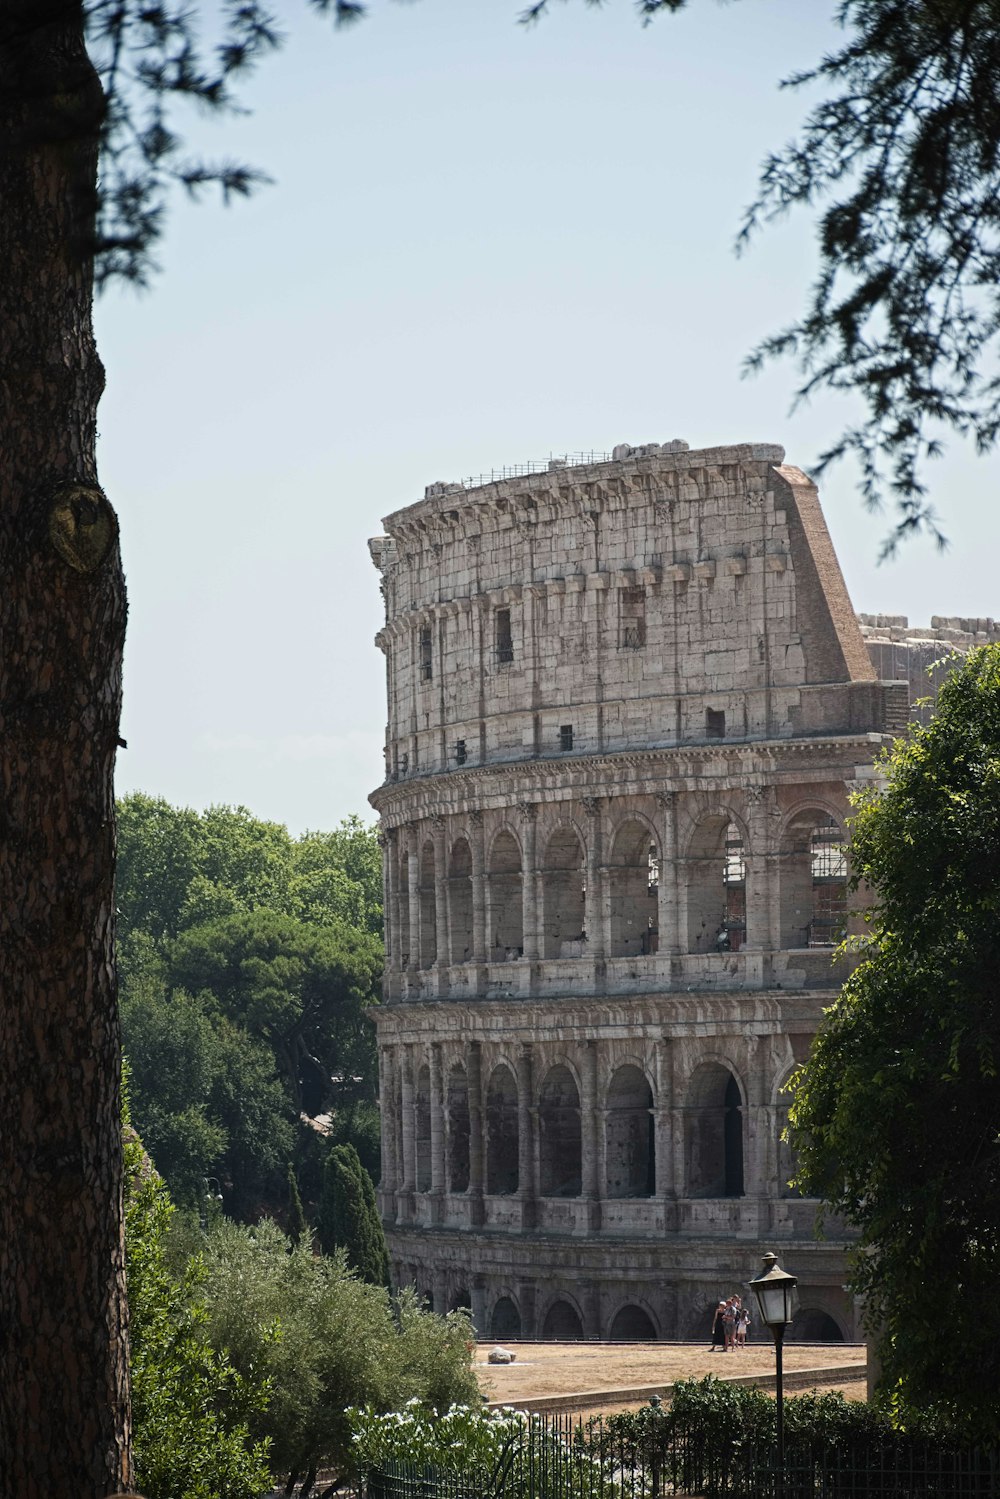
point(628, 700)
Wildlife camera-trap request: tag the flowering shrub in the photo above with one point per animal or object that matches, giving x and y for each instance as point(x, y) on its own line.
point(479, 1446)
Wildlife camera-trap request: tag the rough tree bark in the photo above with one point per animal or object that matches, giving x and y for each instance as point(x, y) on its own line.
point(64, 1402)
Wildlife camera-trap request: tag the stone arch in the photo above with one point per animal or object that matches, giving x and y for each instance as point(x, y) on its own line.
point(407, 956)
point(632, 881)
point(506, 902)
point(560, 1142)
point(428, 906)
point(713, 1133)
point(423, 1130)
point(505, 1319)
point(813, 1325)
point(784, 1152)
point(630, 1135)
point(457, 1114)
point(715, 875)
point(813, 879)
point(460, 1300)
point(502, 1139)
point(563, 878)
point(632, 1324)
point(460, 901)
point(562, 1321)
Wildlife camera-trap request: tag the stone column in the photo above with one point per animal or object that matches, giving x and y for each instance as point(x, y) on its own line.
point(477, 1295)
point(667, 903)
point(478, 894)
point(526, 1302)
point(663, 1120)
point(590, 1305)
point(529, 881)
point(440, 895)
point(387, 1110)
point(408, 1107)
point(437, 1131)
point(476, 1123)
point(413, 877)
point(527, 1189)
point(589, 1122)
point(763, 892)
point(439, 1296)
point(598, 919)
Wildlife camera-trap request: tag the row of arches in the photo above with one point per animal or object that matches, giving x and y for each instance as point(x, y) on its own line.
point(712, 1118)
point(573, 906)
point(632, 1323)
point(565, 1320)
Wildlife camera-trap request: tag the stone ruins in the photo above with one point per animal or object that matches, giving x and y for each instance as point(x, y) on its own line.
point(628, 700)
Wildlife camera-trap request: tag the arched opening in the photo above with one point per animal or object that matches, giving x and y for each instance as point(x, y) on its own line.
point(713, 1134)
point(813, 882)
point(813, 1326)
point(460, 901)
point(632, 1325)
point(501, 1133)
point(630, 1135)
point(461, 1301)
point(458, 1130)
point(716, 887)
point(786, 1155)
point(559, 1135)
point(828, 861)
point(562, 1321)
point(423, 1102)
point(428, 907)
point(506, 915)
point(406, 955)
point(563, 896)
point(633, 880)
point(505, 1321)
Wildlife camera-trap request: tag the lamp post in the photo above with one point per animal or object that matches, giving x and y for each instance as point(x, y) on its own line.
point(777, 1300)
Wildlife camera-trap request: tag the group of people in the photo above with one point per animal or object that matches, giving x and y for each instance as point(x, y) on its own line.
point(730, 1324)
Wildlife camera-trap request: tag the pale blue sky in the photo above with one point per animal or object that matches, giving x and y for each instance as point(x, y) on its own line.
point(485, 245)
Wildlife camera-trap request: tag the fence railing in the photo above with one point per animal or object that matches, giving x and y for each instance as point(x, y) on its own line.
point(560, 1457)
point(520, 470)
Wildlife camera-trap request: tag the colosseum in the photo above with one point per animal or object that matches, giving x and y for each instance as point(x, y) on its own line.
point(628, 700)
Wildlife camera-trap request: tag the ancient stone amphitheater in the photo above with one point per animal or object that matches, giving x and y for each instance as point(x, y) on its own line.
point(628, 700)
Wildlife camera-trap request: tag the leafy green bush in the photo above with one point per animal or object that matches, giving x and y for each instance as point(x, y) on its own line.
point(326, 1341)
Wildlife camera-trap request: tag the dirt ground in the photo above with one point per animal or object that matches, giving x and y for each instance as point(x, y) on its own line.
point(547, 1369)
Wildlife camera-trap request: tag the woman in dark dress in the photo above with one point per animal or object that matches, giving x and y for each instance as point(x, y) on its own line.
point(719, 1328)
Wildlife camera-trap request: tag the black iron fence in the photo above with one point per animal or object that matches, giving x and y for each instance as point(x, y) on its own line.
point(651, 1456)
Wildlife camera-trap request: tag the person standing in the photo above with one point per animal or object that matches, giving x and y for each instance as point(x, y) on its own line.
point(719, 1328)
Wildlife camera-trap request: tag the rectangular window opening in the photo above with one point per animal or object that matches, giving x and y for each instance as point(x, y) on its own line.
point(504, 639)
point(566, 736)
point(460, 753)
point(715, 723)
point(632, 617)
point(426, 669)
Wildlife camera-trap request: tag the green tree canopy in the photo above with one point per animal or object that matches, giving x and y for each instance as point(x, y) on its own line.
point(897, 1111)
point(247, 960)
point(302, 989)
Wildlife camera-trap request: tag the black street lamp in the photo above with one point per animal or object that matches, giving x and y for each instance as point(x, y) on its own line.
point(777, 1300)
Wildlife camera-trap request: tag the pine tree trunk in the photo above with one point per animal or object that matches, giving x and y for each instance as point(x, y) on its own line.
point(64, 1403)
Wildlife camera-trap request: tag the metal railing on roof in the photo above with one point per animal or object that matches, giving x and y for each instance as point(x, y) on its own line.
point(553, 463)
